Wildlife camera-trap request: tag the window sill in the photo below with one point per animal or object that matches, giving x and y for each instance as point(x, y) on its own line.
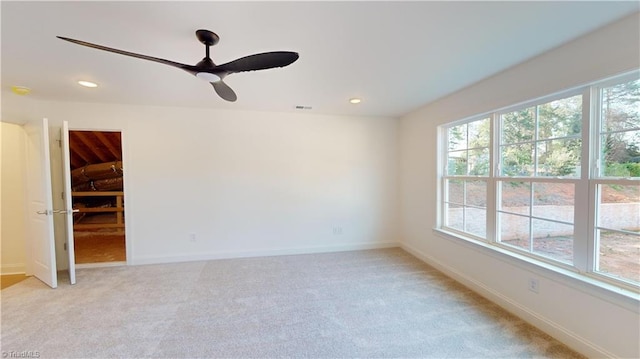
point(616, 295)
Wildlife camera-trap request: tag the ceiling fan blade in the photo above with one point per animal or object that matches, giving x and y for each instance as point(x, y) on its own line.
point(126, 53)
point(262, 61)
point(223, 90)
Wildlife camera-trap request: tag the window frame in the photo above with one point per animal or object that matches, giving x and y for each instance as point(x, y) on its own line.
point(596, 179)
point(445, 177)
point(585, 247)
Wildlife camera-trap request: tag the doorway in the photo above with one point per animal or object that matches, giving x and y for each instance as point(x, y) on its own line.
point(97, 175)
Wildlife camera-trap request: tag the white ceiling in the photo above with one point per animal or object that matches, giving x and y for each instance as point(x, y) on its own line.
point(397, 56)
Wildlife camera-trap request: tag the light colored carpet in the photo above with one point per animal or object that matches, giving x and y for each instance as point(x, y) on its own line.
point(364, 304)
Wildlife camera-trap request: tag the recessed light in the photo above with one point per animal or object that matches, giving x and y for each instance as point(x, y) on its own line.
point(20, 90)
point(87, 83)
point(355, 100)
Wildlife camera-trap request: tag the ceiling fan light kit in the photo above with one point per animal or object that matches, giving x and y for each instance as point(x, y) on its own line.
point(207, 76)
point(206, 69)
point(87, 84)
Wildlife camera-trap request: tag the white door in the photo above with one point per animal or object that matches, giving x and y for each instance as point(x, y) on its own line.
point(66, 170)
point(40, 237)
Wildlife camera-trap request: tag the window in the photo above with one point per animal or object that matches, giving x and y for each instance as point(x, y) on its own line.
point(556, 179)
point(616, 181)
point(467, 165)
point(541, 146)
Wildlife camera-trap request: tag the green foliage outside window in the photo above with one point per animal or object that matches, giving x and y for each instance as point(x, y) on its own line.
point(621, 130)
point(543, 140)
point(469, 149)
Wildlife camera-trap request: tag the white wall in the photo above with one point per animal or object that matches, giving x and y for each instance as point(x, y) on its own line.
point(12, 212)
point(589, 319)
point(245, 183)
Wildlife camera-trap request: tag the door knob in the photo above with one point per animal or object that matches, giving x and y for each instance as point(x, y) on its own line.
point(64, 211)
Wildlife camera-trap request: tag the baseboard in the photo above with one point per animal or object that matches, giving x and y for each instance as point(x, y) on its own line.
point(571, 339)
point(100, 265)
point(190, 257)
point(8, 269)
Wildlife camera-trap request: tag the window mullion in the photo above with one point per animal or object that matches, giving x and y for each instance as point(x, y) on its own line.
point(464, 204)
point(583, 206)
point(593, 255)
point(442, 143)
point(531, 204)
point(536, 133)
point(493, 194)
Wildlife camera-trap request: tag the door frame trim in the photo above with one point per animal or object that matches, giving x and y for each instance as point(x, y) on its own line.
point(125, 185)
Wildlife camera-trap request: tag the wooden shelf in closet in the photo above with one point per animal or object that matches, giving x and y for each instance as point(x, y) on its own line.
point(118, 209)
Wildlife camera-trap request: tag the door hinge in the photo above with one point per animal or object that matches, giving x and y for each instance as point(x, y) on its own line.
point(65, 246)
point(62, 195)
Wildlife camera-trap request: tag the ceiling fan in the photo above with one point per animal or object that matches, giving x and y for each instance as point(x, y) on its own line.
point(206, 69)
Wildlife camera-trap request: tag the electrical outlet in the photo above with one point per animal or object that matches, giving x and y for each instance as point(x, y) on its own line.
point(337, 231)
point(534, 286)
point(192, 237)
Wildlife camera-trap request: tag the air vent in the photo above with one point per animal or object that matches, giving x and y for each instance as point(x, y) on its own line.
point(299, 107)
